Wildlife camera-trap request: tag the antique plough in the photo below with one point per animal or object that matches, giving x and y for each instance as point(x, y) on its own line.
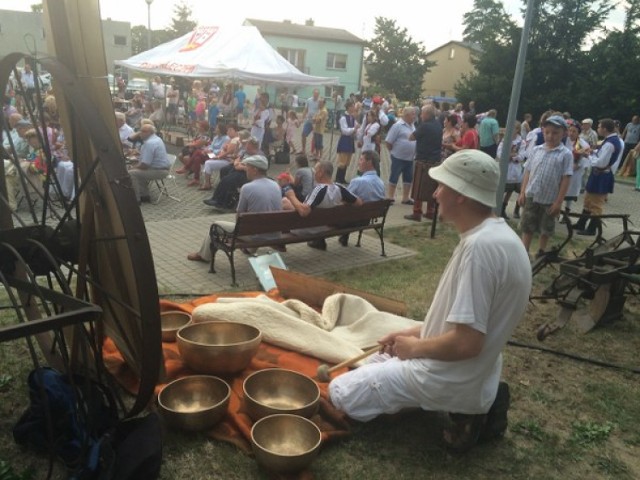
point(593, 287)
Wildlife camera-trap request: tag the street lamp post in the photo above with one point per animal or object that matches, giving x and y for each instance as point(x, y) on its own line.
point(149, 2)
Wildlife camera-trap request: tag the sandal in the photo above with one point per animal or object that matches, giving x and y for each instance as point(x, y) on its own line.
point(204, 187)
point(407, 202)
point(193, 183)
point(180, 171)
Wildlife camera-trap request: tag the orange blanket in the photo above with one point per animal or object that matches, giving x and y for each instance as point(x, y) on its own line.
point(236, 426)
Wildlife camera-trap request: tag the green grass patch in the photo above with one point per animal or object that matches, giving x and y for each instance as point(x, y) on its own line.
point(568, 419)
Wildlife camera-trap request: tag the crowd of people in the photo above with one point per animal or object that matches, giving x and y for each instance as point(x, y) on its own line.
point(27, 144)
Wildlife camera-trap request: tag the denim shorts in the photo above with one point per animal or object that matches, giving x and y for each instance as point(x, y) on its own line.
point(404, 167)
point(307, 128)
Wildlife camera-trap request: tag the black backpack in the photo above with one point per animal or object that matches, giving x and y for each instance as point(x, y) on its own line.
point(76, 419)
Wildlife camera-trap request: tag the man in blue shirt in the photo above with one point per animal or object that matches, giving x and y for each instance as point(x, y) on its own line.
point(241, 97)
point(368, 187)
point(153, 163)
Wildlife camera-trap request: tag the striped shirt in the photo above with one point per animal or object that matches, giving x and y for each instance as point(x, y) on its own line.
point(546, 169)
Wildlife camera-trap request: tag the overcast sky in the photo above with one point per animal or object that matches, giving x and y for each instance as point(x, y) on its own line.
point(432, 23)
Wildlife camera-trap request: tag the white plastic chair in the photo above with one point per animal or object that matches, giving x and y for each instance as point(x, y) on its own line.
point(163, 184)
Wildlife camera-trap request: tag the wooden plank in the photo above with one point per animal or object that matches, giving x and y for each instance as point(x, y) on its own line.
point(313, 291)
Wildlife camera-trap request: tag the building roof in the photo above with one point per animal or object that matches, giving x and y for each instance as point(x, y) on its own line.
point(469, 46)
point(295, 30)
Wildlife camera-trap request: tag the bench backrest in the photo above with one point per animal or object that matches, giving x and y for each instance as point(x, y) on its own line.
point(257, 223)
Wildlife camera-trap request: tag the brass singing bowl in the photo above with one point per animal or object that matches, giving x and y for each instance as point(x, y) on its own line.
point(285, 443)
point(276, 390)
point(171, 322)
point(194, 403)
point(218, 348)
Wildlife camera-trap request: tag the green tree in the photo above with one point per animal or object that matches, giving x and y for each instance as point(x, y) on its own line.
point(37, 7)
point(557, 60)
point(394, 62)
point(182, 23)
point(496, 35)
point(138, 39)
point(610, 83)
point(488, 23)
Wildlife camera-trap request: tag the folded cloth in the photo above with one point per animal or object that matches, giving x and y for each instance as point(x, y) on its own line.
point(347, 325)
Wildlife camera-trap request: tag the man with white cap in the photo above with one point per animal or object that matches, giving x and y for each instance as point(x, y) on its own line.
point(453, 361)
point(261, 194)
point(588, 133)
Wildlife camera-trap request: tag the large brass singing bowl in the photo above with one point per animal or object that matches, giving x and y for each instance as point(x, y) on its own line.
point(218, 348)
point(171, 322)
point(194, 403)
point(276, 390)
point(285, 443)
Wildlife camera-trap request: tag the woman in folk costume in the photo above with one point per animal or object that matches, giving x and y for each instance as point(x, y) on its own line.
point(346, 144)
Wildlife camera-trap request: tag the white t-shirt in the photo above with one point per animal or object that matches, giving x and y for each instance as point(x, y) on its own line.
point(486, 286)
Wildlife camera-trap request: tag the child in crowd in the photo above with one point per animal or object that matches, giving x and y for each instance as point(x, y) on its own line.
point(514, 170)
point(291, 127)
point(579, 148)
point(285, 181)
point(303, 179)
point(545, 183)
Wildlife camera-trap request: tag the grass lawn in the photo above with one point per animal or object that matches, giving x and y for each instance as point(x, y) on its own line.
point(569, 419)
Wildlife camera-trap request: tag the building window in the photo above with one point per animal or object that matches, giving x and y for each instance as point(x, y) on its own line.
point(443, 93)
point(336, 61)
point(294, 57)
point(452, 53)
point(329, 91)
point(120, 40)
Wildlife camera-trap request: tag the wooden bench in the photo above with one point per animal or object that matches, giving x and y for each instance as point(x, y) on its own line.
point(340, 220)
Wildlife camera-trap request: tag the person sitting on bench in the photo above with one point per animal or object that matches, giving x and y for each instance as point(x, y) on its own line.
point(325, 194)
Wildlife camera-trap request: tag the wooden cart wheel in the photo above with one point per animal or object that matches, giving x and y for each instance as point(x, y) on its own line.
point(100, 237)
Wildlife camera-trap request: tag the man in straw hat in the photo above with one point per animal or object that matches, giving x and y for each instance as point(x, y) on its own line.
point(452, 361)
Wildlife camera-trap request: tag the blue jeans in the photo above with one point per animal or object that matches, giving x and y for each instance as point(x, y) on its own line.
point(404, 167)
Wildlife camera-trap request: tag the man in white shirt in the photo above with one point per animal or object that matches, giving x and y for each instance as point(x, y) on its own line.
point(310, 110)
point(124, 130)
point(453, 361)
point(601, 180)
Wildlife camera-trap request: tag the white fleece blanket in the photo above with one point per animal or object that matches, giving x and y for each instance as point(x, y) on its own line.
point(347, 325)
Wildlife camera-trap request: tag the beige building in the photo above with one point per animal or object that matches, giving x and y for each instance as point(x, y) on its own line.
point(453, 59)
point(24, 32)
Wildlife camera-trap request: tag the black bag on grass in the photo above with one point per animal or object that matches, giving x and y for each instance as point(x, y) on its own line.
point(77, 421)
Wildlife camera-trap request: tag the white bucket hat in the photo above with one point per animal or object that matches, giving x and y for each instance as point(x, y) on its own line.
point(471, 173)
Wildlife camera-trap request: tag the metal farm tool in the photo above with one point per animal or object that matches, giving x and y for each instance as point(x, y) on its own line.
point(603, 275)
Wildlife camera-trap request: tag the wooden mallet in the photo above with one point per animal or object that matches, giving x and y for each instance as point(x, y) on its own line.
point(324, 372)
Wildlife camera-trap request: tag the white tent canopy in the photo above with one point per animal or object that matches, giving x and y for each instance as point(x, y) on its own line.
point(238, 52)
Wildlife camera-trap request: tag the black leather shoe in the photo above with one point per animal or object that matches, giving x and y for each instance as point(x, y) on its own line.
point(318, 244)
point(211, 202)
point(344, 240)
point(145, 199)
point(415, 218)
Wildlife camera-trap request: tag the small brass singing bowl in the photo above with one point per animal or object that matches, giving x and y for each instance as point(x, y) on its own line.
point(285, 443)
point(276, 390)
point(218, 348)
point(194, 403)
point(171, 322)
